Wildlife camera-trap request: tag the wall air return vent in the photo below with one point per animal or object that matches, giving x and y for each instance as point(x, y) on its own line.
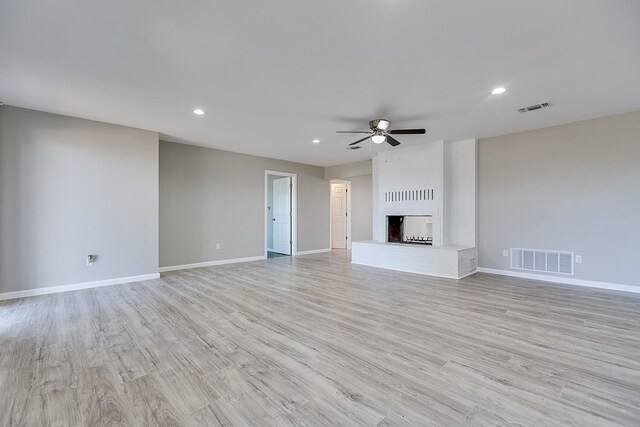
point(534, 107)
point(408, 195)
point(542, 261)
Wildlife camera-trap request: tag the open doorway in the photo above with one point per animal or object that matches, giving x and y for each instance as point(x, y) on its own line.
point(340, 221)
point(281, 214)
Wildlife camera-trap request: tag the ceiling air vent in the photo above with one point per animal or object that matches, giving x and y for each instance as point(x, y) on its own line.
point(534, 107)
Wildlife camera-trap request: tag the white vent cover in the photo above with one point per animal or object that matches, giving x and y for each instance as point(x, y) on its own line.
point(543, 261)
point(408, 195)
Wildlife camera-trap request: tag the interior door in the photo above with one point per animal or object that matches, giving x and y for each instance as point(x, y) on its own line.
point(282, 215)
point(339, 215)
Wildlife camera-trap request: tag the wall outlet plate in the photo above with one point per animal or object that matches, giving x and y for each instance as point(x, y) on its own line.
point(217, 245)
point(91, 259)
point(578, 259)
point(505, 253)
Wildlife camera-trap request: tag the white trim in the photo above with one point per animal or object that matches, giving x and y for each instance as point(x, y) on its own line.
point(294, 209)
point(348, 214)
point(563, 280)
point(468, 274)
point(77, 286)
point(314, 251)
point(211, 263)
point(348, 184)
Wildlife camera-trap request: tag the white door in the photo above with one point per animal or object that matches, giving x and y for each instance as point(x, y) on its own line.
point(282, 215)
point(339, 215)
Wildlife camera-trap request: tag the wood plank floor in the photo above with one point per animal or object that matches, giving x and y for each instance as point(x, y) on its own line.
point(316, 341)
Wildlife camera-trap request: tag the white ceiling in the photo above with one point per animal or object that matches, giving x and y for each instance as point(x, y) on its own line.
point(273, 75)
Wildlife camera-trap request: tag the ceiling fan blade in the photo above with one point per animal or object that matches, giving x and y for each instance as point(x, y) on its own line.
point(408, 131)
point(360, 140)
point(353, 131)
point(392, 141)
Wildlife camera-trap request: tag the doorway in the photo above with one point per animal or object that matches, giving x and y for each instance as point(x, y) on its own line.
point(340, 214)
point(281, 214)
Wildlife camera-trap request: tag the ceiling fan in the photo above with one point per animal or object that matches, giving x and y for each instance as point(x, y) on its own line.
point(380, 133)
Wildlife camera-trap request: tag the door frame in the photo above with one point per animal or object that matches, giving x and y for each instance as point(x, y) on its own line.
point(294, 209)
point(349, 216)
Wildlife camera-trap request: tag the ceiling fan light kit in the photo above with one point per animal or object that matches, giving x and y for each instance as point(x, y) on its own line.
point(380, 133)
point(381, 124)
point(378, 138)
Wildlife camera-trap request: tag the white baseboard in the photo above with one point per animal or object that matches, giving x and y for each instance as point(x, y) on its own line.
point(563, 280)
point(210, 263)
point(77, 286)
point(315, 251)
point(468, 274)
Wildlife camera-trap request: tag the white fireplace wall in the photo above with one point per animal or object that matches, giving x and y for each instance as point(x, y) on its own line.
point(460, 193)
point(410, 169)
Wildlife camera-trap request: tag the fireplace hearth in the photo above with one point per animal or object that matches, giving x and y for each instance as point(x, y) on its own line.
point(410, 229)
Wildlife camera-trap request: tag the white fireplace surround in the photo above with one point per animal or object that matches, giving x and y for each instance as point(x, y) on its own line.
point(453, 262)
point(402, 170)
point(438, 179)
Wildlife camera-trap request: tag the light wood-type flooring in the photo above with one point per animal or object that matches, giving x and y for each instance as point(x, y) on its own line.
point(316, 341)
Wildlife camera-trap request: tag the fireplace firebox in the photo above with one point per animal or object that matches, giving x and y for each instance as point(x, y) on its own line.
point(414, 229)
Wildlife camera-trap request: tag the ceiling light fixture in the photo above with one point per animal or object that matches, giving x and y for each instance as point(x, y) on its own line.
point(383, 124)
point(378, 139)
point(198, 112)
point(316, 141)
point(498, 91)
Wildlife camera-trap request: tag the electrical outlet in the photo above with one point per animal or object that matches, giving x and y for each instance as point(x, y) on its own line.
point(217, 245)
point(91, 259)
point(505, 253)
point(578, 259)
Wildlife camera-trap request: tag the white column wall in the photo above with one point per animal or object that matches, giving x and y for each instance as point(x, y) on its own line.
point(460, 195)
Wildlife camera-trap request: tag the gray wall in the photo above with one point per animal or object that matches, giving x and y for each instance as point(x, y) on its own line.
point(71, 187)
point(210, 196)
point(361, 206)
point(348, 170)
point(573, 187)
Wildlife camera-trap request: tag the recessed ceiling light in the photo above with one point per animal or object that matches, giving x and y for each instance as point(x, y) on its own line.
point(315, 141)
point(198, 112)
point(498, 91)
